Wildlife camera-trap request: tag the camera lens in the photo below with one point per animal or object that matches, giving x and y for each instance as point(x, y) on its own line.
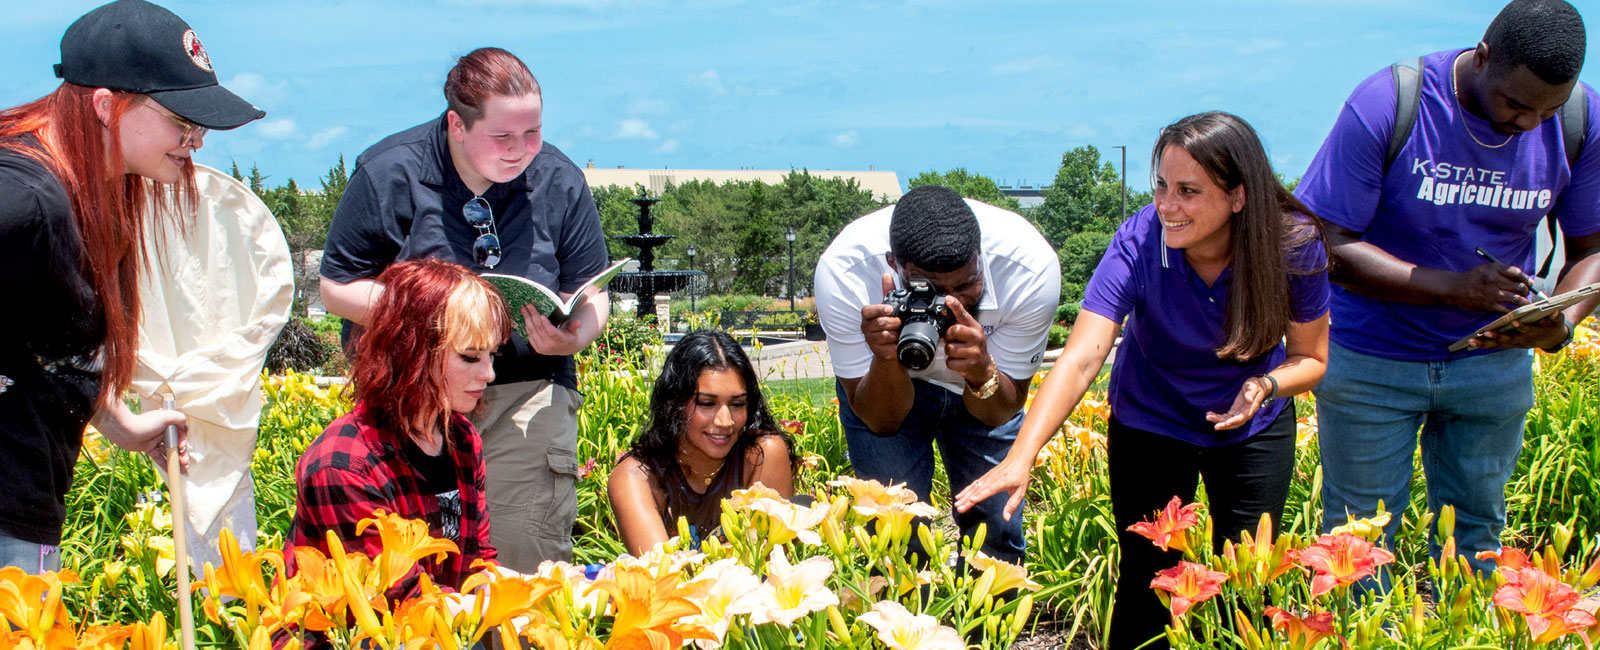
point(917, 338)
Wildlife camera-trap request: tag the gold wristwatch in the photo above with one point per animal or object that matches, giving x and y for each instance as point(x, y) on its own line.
point(987, 390)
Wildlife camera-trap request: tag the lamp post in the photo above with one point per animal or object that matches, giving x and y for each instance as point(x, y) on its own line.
point(790, 236)
point(692, 250)
point(1124, 176)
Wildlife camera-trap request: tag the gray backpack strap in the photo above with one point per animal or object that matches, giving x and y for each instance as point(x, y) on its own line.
point(1407, 97)
point(1574, 124)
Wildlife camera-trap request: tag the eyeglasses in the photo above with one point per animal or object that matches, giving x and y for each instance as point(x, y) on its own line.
point(191, 131)
point(486, 248)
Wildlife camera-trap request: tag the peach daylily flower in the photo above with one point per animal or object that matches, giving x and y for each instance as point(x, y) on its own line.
point(1341, 560)
point(741, 499)
point(1303, 632)
point(1547, 604)
point(1188, 584)
point(717, 590)
point(869, 496)
point(790, 592)
point(899, 629)
point(787, 521)
point(1167, 531)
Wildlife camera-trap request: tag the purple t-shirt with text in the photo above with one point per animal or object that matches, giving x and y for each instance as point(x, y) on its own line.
point(1167, 374)
point(1444, 195)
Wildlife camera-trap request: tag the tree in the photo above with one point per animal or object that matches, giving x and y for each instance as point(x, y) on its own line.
point(1086, 195)
point(973, 186)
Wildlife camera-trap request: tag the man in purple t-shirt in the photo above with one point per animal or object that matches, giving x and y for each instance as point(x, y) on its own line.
point(1482, 166)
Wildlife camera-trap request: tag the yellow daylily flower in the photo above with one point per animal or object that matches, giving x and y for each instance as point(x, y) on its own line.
point(1000, 575)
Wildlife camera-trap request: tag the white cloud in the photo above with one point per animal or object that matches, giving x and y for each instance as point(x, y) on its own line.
point(669, 146)
point(637, 129)
point(256, 89)
point(646, 106)
point(279, 129)
point(322, 138)
point(709, 80)
point(1021, 66)
point(1082, 132)
point(845, 140)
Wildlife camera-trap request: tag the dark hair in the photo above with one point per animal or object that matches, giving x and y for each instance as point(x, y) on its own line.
point(1272, 223)
point(1545, 35)
point(932, 227)
point(429, 308)
point(484, 73)
point(695, 353)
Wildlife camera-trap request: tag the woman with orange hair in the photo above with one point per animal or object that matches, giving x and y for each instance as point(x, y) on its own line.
point(81, 171)
point(407, 448)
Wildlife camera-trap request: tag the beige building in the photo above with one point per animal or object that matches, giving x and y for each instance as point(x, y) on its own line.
point(883, 185)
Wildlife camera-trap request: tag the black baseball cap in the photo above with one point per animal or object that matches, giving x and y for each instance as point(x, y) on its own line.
point(138, 47)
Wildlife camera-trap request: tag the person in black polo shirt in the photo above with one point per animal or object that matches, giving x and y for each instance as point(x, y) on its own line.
point(478, 187)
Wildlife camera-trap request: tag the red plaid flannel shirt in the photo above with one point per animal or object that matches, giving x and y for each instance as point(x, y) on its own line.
point(353, 469)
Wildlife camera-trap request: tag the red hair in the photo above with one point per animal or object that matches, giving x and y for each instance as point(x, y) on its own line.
point(484, 73)
point(109, 204)
point(429, 308)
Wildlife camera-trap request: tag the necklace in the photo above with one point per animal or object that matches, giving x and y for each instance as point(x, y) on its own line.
point(688, 470)
point(1456, 91)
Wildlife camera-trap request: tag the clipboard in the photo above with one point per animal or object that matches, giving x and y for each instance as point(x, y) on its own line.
point(1534, 311)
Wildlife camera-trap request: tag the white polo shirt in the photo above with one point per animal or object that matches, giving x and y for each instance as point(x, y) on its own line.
point(1021, 287)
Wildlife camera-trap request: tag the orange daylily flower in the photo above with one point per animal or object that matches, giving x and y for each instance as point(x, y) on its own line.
point(32, 603)
point(743, 498)
point(108, 637)
point(790, 592)
point(502, 598)
point(792, 427)
point(150, 636)
point(405, 542)
point(869, 496)
point(1303, 632)
point(316, 597)
point(1188, 584)
point(899, 629)
point(1167, 531)
point(1547, 604)
point(647, 607)
point(1341, 560)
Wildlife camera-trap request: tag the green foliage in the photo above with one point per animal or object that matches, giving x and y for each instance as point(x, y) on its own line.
point(738, 227)
point(972, 186)
point(1085, 196)
point(1067, 313)
point(1079, 255)
point(1058, 336)
point(628, 339)
point(303, 216)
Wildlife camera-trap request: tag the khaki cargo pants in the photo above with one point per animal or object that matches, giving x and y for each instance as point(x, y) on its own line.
point(530, 442)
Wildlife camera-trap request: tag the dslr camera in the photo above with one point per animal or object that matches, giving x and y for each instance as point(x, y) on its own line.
point(924, 318)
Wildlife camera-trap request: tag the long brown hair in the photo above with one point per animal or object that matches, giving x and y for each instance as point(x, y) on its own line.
point(109, 204)
point(1272, 223)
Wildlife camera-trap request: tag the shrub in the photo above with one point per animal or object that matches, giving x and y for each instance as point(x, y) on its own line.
point(1058, 336)
point(1067, 313)
point(298, 348)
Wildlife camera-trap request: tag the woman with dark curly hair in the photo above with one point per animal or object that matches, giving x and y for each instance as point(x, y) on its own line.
point(407, 448)
point(706, 408)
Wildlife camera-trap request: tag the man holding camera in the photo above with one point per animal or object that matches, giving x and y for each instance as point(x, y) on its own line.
point(937, 310)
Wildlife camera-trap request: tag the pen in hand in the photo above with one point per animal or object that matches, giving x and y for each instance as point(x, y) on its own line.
point(1485, 255)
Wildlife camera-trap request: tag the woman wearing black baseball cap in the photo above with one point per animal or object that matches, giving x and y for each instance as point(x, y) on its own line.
point(81, 170)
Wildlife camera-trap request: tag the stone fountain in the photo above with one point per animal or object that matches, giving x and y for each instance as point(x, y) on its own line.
point(645, 283)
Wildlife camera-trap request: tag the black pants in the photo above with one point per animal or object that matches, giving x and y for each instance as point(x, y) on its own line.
point(1243, 480)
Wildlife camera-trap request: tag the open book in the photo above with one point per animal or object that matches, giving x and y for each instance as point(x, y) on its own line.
point(1531, 312)
point(522, 291)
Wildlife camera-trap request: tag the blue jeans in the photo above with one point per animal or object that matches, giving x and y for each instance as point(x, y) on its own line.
point(1471, 413)
point(28, 556)
point(969, 448)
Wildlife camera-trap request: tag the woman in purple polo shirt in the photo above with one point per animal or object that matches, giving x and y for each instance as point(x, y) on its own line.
point(1223, 282)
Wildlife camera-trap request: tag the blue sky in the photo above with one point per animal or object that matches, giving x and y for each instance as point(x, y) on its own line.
point(1001, 88)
